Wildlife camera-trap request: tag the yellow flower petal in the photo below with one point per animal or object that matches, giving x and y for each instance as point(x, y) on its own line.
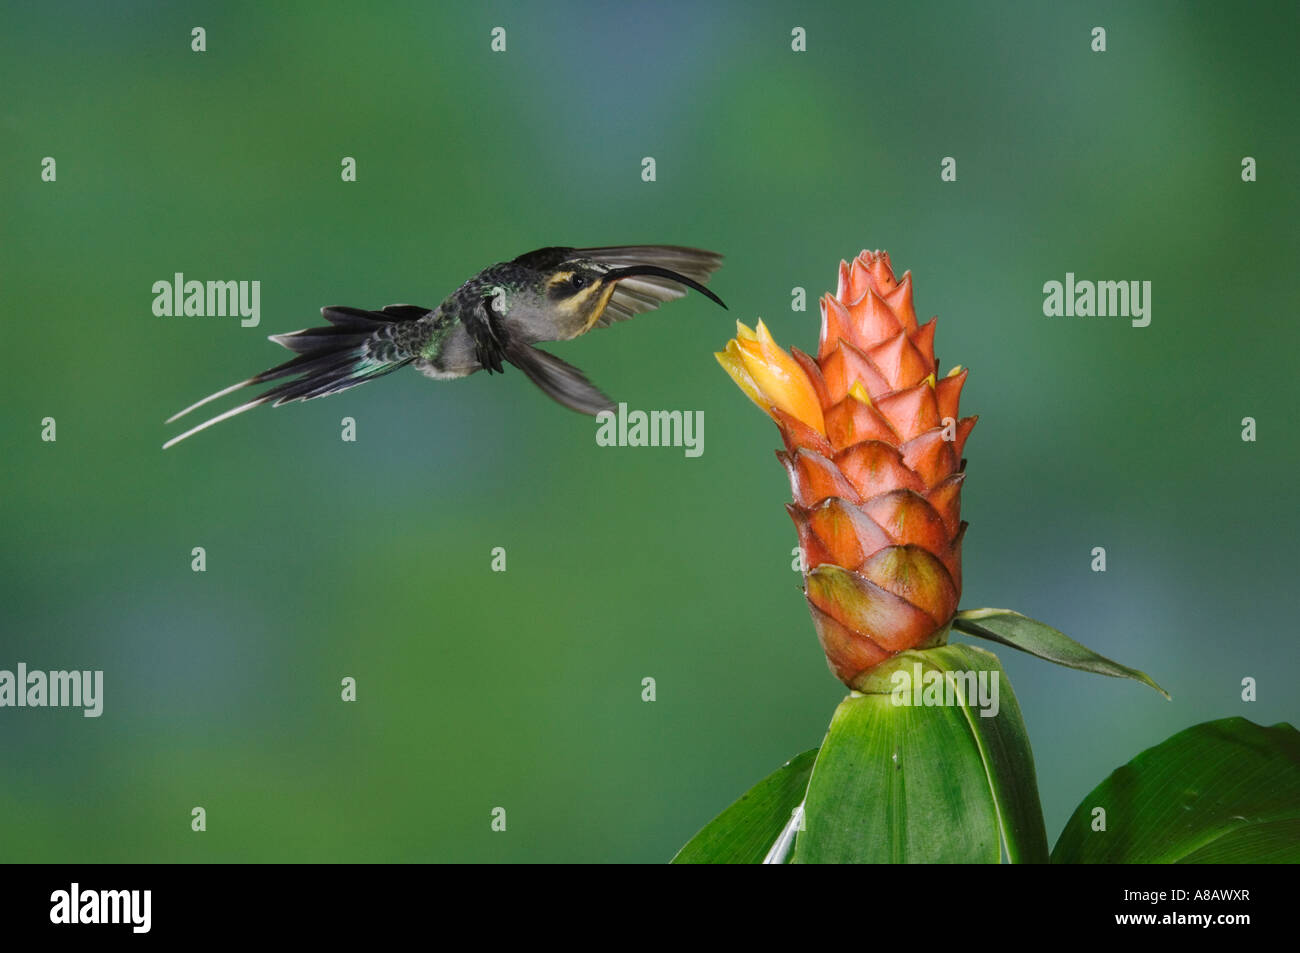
point(780, 378)
point(733, 364)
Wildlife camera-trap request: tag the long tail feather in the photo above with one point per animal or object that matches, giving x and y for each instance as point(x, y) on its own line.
point(309, 362)
point(207, 400)
point(212, 421)
point(354, 348)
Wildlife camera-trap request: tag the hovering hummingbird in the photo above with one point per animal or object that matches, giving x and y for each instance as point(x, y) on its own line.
point(551, 294)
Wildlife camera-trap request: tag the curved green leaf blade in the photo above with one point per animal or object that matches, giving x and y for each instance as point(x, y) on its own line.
point(1225, 791)
point(1038, 638)
point(1273, 842)
point(899, 784)
point(743, 832)
point(1004, 746)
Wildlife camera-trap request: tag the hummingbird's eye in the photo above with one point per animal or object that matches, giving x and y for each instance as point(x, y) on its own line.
point(578, 282)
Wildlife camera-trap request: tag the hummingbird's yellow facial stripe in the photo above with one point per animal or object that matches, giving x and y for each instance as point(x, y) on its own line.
point(558, 278)
point(606, 292)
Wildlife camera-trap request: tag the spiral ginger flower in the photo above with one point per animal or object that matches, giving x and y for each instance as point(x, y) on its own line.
point(873, 447)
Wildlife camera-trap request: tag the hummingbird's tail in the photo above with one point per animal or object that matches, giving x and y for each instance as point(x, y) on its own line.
point(356, 346)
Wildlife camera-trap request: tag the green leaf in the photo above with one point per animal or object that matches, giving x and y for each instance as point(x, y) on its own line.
point(1037, 638)
point(743, 833)
point(902, 783)
point(1225, 791)
point(1004, 746)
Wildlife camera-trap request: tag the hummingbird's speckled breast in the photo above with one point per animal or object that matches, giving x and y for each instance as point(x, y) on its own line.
point(446, 348)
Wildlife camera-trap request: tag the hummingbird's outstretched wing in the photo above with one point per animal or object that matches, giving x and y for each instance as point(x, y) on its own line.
point(641, 293)
point(356, 346)
point(561, 381)
point(558, 379)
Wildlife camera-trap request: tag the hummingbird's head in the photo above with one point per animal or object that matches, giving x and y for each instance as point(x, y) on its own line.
point(577, 289)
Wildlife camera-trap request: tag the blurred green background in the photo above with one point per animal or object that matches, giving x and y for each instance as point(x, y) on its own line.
point(371, 559)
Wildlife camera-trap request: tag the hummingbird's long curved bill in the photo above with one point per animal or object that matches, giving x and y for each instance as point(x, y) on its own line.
point(647, 276)
point(633, 271)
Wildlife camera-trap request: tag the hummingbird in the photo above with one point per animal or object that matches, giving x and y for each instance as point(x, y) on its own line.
point(493, 319)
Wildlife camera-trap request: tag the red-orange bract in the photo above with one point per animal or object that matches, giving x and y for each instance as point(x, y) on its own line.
point(873, 446)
